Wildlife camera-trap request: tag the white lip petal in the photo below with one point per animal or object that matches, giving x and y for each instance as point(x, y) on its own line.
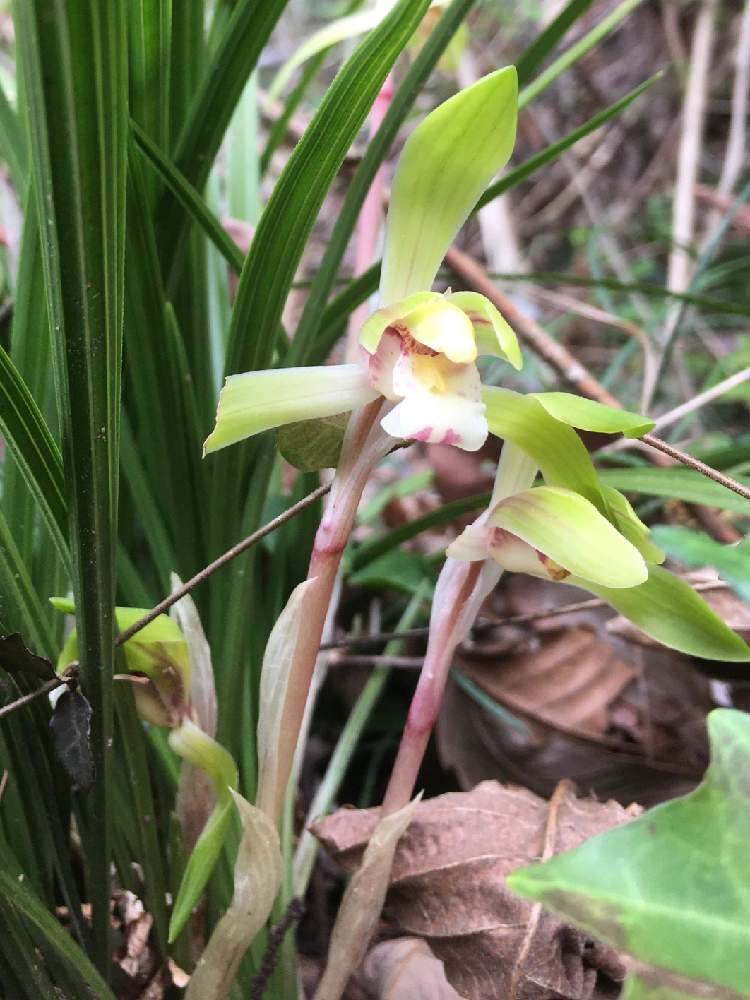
point(452, 414)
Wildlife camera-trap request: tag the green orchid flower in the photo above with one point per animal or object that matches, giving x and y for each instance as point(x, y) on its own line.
point(419, 349)
point(157, 656)
point(574, 530)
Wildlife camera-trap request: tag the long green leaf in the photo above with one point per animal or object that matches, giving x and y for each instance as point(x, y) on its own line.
point(233, 61)
point(150, 38)
point(75, 76)
point(293, 207)
point(13, 145)
point(19, 603)
point(543, 44)
point(675, 484)
point(34, 450)
point(51, 940)
point(190, 199)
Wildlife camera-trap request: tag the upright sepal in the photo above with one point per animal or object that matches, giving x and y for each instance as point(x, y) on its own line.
point(446, 164)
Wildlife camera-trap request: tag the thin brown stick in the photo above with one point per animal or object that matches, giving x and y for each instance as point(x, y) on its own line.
point(561, 359)
point(564, 790)
point(557, 356)
point(694, 463)
point(227, 557)
point(486, 626)
point(50, 685)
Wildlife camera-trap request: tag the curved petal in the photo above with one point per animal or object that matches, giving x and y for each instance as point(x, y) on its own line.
point(375, 325)
point(441, 405)
point(570, 531)
point(257, 401)
point(443, 328)
point(494, 335)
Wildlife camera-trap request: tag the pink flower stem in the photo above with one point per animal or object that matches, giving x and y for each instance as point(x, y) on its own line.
point(370, 217)
point(448, 625)
point(365, 444)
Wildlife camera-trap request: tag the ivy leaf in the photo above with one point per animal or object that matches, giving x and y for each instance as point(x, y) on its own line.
point(671, 888)
point(15, 658)
point(71, 728)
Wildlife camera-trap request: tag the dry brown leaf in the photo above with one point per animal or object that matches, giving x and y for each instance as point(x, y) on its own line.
point(448, 887)
point(569, 682)
point(363, 900)
point(406, 969)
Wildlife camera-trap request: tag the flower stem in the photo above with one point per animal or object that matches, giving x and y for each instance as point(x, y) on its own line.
point(458, 583)
point(364, 446)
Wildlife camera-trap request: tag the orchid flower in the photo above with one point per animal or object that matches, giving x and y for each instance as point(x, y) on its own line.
point(419, 349)
point(575, 530)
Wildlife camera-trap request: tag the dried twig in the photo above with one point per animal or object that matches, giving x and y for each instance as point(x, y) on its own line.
point(564, 790)
point(694, 463)
point(293, 914)
point(227, 557)
point(485, 626)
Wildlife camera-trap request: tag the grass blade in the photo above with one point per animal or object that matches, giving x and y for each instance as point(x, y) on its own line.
point(35, 452)
point(75, 76)
point(234, 59)
point(541, 47)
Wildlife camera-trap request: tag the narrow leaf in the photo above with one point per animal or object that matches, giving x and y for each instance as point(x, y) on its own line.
point(676, 484)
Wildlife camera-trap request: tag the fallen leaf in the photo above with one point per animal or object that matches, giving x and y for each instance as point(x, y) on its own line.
point(448, 887)
point(569, 682)
point(363, 900)
point(406, 969)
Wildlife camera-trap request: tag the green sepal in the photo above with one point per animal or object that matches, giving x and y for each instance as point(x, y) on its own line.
point(196, 747)
point(447, 162)
point(670, 611)
point(587, 415)
point(554, 446)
